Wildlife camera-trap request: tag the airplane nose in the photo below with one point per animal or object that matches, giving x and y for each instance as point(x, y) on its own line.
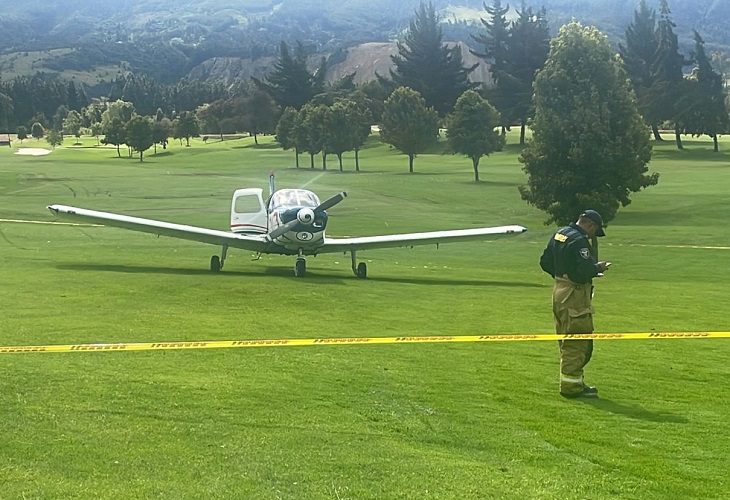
point(305, 216)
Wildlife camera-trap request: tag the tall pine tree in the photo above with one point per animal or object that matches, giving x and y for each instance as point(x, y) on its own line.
point(702, 107)
point(668, 85)
point(516, 52)
point(529, 44)
point(495, 41)
point(639, 53)
point(290, 83)
point(425, 64)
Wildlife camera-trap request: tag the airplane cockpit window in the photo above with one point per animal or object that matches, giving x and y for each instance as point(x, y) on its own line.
point(293, 198)
point(308, 199)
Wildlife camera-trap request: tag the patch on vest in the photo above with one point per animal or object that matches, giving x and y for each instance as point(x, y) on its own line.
point(560, 237)
point(585, 253)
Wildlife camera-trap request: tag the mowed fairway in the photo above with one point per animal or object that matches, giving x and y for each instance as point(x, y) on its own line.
point(377, 421)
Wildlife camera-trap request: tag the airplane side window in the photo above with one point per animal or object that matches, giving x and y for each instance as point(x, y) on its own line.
point(247, 204)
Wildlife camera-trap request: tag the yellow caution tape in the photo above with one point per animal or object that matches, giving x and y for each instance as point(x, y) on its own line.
point(219, 344)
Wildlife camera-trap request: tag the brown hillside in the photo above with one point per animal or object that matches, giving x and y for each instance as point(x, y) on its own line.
point(364, 60)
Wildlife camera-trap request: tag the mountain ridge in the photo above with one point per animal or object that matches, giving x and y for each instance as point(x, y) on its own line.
point(93, 39)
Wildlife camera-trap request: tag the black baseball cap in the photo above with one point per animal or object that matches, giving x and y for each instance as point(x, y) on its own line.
point(597, 219)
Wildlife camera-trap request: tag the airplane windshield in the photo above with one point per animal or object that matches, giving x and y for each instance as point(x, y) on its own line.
point(294, 198)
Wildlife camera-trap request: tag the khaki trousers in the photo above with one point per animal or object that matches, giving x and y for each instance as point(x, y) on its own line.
point(573, 314)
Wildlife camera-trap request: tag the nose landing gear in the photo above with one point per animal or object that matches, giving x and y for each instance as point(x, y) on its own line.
point(300, 266)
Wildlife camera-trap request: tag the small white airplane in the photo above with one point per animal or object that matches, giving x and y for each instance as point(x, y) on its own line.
point(290, 222)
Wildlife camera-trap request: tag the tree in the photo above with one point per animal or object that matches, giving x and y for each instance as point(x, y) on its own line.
point(425, 64)
point(72, 124)
point(639, 54)
point(37, 130)
point(186, 126)
point(362, 127)
point(286, 132)
point(22, 133)
point(668, 84)
point(92, 113)
point(290, 83)
point(341, 128)
point(75, 97)
point(161, 132)
point(590, 146)
point(115, 133)
point(408, 124)
point(260, 114)
point(495, 40)
point(59, 116)
point(54, 138)
point(139, 134)
point(118, 109)
point(96, 131)
point(471, 128)
point(6, 111)
point(528, 47)
point(310, 131)
point(702, 107)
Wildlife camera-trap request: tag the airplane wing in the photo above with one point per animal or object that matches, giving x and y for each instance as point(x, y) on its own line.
point(412, 239)
point(255, 243)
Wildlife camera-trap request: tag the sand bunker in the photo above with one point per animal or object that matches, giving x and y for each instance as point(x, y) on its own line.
point(32, 151)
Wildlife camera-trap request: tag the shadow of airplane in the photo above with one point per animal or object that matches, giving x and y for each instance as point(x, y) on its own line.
point(282, 271)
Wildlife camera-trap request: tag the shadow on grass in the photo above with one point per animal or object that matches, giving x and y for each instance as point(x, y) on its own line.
point(336, 170)
point(284, 271)
point(453, 282)
point(634, 411)
point(265, 145)
point(268, 272)
point(119, 268)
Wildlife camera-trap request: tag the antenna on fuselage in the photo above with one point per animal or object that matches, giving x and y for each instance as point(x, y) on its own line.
point(272, 184)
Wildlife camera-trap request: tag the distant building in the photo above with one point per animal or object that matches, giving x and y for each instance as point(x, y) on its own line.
point(4, 139)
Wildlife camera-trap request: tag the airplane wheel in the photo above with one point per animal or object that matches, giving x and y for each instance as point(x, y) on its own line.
point(362, 270)
point(300, 268)
point(215, 263)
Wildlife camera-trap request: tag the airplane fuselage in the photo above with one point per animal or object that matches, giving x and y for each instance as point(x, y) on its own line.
point(291, 216)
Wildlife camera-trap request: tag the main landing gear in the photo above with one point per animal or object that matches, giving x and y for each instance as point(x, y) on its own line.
point(361, 269)
point(216, 263)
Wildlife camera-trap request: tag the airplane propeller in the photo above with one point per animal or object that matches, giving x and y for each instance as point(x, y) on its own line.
point(331, 202)
point(306, 216)
point(284, 228)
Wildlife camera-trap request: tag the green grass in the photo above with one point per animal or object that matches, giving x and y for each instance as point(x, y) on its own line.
point(393, 421)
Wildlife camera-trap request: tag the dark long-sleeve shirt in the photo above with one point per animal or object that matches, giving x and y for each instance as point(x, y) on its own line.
point(569, 252)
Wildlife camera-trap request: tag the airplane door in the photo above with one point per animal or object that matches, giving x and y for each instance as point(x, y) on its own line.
point(248, 213)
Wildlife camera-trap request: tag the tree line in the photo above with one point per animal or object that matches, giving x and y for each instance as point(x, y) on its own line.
point(574, 123)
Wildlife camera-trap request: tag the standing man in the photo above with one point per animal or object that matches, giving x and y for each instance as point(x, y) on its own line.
point(571, 258)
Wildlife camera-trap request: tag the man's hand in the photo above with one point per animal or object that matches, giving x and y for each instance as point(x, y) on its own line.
point(603, 265)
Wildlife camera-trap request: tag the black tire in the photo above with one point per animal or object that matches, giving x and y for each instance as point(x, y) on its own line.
point(300, 268)
point(362, 270)
point(215, 263)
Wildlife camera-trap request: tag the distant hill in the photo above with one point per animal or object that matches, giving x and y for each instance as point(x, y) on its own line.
point(92, 40)
point(364, 60)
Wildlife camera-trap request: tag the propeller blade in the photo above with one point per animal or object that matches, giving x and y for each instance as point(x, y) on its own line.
point(284, 228)
point(331, 202)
